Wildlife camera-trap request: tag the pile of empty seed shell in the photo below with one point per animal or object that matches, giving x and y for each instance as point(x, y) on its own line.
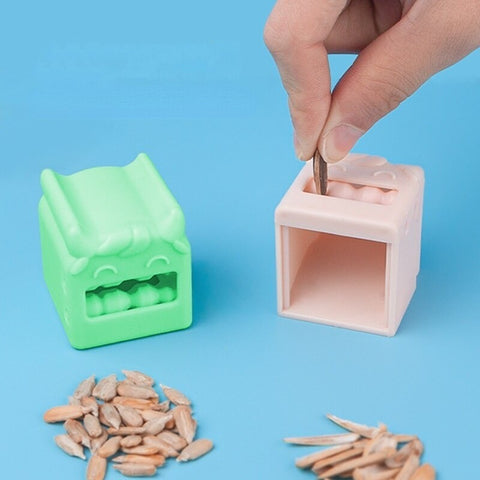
point(365, 453)
point(125, 422)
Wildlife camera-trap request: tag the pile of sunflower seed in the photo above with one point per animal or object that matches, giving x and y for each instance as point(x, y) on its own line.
point(126, 422)
point(365, 453)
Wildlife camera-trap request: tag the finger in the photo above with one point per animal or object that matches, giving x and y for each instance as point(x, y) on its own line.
point(294, 34)
point(393, 66)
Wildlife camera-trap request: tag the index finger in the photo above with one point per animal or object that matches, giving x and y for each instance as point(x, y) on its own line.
point(295, 33)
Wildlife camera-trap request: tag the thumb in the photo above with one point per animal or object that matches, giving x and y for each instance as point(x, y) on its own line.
point(386, 72)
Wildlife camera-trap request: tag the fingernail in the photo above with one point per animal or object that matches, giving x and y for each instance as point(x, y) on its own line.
point(298, 148)
point(338, 142)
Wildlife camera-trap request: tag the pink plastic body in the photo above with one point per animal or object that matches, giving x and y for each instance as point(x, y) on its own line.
point(350, 258)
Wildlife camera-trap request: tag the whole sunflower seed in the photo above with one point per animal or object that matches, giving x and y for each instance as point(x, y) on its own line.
point(106, 388)
point(319, 440)
point(109, 415)
point(164, 448)
point(156, 425)
point(130, 417)
point(425, 472)
point(97, 468)
point(195, 450)
point(77, 432)
point(124, 431)
point(152, 414)
point(109, 448)
point(62, 413)
point(137, 403)
point(176, 441)
point(85, 388)
point(129, 390)
point(136, 469)
point(131, 441)
point(175, 396)
point(184, 422)
point(96, 443)
point(138, 378)
point(90, 405)
point(68, 445)
point(157, 459)
point(92, 425)
point(141, 450)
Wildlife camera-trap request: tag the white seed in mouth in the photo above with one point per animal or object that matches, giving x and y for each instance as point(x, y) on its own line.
point(195, 450)
point(67, 444)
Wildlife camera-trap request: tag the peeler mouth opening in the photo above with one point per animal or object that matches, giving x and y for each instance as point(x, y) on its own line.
point(132, 294)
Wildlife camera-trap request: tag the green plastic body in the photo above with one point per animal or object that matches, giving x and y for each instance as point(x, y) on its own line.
point(116, 259)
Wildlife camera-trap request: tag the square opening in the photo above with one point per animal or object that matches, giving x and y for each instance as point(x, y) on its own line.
point(132, 294)
point(356, 192)
point(334, 279)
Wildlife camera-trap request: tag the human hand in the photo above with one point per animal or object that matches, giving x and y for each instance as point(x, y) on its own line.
point(401, 43)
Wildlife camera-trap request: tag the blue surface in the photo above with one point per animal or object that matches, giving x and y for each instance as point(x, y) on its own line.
point(191, 84)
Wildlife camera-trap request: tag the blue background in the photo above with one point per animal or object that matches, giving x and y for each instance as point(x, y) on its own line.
point(191, 84)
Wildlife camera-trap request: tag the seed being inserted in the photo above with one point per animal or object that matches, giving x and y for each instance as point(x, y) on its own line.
point(126, 422)
point(364, 453)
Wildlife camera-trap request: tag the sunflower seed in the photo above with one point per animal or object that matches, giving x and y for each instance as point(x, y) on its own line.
point(62, 413)
point(157, 459)
point(77, 432)
point(68, 445)
point(362, 430)
point(309, 460)
point(156, 425)
point(336, 439)
point(85, 388)
point(106, 388)
point(137, 403)
point(97, 468)
point(172, 439)
point(374, 472)
point(141, 450)
point(195, 450)
point(335, 459)
point(92, 425)
point(130, 417)
point(138, 378)
point(355, 463)
point(124, 431)
point(109, 415)
point(110, 447)
point(400, 457)
point(164, 448)
point(176, 397)
point(90, 405)
point(136, 469)
point(425, 472)
point(184, 422)
point(409, 467)
point(128, 390)
point(96, 443)
point(131, 441)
